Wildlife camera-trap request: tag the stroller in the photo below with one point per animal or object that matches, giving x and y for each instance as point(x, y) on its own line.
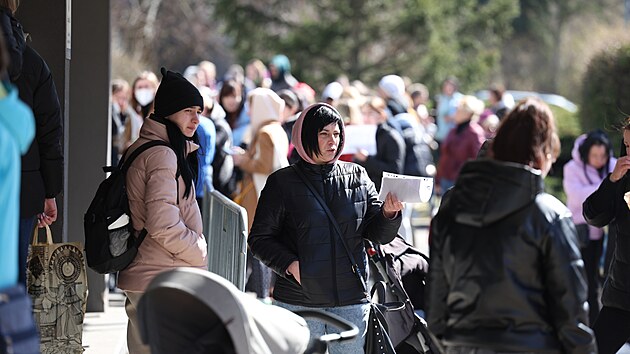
point(188, 310)
point(397, 268)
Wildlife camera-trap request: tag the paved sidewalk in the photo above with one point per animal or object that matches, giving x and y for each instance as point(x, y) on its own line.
point(106, 332)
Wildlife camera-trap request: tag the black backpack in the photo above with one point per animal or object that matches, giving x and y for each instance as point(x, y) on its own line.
point(109, 242)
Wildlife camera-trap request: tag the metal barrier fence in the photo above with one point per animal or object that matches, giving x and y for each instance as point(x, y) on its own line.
point(225, 228)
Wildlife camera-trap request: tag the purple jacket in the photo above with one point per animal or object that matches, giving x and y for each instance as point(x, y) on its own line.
point(578, 188)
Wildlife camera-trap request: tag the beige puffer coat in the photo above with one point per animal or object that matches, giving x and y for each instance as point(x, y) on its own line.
point(174, 226)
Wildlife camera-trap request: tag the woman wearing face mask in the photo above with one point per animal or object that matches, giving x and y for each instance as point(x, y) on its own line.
point(293, 235)
point(143, 93)
point(161, 192)
point(505, 273)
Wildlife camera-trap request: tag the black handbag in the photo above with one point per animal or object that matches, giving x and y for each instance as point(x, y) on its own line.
point(407, 331)
point(377, 339)
point(18, 333)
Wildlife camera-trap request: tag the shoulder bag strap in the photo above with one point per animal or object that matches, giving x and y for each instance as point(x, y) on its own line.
point(355, 267)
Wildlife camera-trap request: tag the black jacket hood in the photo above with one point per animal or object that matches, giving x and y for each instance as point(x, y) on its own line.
point(14, 39)
point(488, 191)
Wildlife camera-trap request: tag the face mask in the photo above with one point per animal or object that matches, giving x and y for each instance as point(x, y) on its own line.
point(144, 96)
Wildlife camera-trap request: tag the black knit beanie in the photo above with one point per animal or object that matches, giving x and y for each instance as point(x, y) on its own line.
point(174, 94)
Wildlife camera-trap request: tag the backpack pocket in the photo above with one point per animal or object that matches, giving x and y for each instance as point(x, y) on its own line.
point(119, 232)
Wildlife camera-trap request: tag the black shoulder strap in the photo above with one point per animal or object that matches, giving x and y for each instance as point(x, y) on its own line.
point(125, 161)
point(355, 267)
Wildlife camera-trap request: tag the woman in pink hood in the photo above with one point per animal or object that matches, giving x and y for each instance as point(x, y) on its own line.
point(293, 234)
point(592, 162)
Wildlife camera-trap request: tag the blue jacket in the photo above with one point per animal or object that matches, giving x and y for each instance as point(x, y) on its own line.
point(207, 141)
point(17, 129)
point(241, 126)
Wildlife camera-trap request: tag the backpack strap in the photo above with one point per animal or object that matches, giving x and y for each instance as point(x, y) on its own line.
point(125, 161)
point(124, 164)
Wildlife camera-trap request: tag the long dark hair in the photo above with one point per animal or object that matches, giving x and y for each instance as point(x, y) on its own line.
point(232, 88)
point(595, 138)
point(187, 165)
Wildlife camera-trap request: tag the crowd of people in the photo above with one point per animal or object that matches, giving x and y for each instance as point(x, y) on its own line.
point(512, 269)
point(506, 273)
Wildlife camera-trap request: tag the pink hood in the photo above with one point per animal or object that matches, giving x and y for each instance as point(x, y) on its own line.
point(296, 136)
point(578, 186)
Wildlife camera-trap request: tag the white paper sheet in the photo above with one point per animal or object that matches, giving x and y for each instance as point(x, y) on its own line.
point(409, 189)
point(362, 136)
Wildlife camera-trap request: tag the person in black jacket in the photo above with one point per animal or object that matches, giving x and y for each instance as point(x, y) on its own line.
point(505, 273)
point(293, 235)
point(609, 204)
point(390, 146)
point(42, 165)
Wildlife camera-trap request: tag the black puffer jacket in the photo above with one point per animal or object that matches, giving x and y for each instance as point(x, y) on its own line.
point(607, 206)
point(42, 165)
point(505, 268)
point(291, 225)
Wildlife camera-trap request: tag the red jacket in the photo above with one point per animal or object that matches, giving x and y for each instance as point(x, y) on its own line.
point(461, 144)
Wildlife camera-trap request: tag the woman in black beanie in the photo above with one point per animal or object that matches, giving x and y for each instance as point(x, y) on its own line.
point(161, 192)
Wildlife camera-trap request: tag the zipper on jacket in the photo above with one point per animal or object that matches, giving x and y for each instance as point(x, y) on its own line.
point(332, 241)
point(177, 186)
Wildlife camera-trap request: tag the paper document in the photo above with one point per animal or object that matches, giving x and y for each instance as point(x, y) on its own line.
point(361, 136)
point(409, 189)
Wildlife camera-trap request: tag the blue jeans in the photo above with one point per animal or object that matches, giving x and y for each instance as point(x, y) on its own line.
point(27, 225)
point(357, 314)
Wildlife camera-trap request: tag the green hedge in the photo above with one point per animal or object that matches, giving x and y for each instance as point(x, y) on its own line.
point(605, 97)
point(569, 128)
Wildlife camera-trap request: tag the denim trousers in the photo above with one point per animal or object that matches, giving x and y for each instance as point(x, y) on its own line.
point(357, 314)
point(27, 225)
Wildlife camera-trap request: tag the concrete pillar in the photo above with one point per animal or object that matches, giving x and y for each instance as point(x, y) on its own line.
point(89, 118)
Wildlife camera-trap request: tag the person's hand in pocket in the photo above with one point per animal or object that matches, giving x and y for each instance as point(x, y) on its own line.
point(294, 269)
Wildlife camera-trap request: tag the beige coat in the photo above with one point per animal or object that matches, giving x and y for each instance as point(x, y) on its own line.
point(175, 233)
point(268, 150)
point(267, 153)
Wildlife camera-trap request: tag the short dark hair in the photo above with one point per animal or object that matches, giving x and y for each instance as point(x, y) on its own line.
point(527, 134)
point(314, 121)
